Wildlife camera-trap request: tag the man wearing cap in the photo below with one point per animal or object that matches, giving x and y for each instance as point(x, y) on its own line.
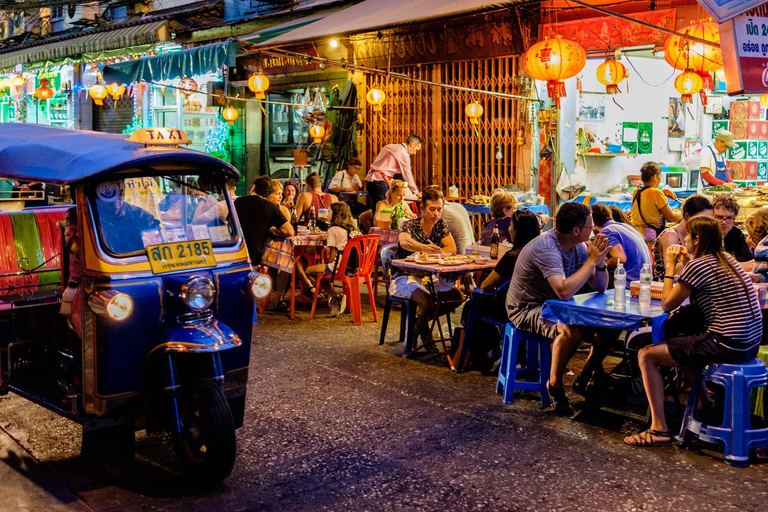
point(712, 162)
point(393, 159)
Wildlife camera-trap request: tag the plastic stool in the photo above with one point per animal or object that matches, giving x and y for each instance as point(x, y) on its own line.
point(538, 361)
point(736, 433)
point(407, 320)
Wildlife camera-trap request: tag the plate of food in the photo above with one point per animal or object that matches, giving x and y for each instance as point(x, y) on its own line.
point(456, 260)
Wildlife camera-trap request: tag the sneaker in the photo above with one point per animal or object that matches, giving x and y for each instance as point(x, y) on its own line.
point(334, 304)
point(342, 304)
point(560, 402)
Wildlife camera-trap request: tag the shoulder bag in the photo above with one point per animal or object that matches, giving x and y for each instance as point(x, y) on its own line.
point(650, 232)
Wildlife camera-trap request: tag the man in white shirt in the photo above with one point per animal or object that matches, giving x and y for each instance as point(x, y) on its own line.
point(349, 181)
point(712, 162)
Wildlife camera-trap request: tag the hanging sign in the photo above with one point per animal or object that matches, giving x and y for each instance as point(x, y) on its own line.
point(744, 43)
point(53, 77)
point(644, 138)
point(723, 10)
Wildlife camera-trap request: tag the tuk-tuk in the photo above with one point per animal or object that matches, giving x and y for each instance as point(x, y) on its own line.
point(159, 295)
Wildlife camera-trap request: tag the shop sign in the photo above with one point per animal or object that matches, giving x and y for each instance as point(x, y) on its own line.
point(723, 10)
point(544, 116)
point(273, 65)
point(744, 42)
point(53, 77)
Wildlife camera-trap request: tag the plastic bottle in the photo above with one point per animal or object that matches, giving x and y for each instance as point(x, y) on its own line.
point(620, 285)
point(495, 243)
point(645, 286)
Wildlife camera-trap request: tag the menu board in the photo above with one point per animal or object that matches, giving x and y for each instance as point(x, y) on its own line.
point(197, 126)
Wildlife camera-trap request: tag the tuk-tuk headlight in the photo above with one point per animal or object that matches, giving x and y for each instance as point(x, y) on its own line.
point(259, 284)
point(112, 303)
point(198, 293)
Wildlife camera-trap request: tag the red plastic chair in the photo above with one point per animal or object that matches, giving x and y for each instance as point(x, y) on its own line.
point(366, 246)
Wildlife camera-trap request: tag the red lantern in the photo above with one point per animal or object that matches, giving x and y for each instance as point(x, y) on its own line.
point(98, 92)
point(187, 86)
point(258, 83)
point(115, 90)
point(474, 110)
point(44, 92)
point(611, 73)
point(376, 98)
point(316, 132)
point(687, 84)
point(230, 114)
point(553, 61)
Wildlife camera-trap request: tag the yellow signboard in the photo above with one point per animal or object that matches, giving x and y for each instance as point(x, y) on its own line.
point(180, 256)
point(544, 116)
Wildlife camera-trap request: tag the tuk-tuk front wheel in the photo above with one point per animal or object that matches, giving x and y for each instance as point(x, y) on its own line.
point(207, 444)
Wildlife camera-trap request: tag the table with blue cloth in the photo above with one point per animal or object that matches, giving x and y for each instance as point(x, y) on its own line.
point(624, 205)
point(485, 209)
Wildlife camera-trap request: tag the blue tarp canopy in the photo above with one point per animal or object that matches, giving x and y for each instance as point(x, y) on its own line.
point(189, 62)
point(60, 156)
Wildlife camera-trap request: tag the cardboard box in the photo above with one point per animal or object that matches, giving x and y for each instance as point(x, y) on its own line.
point(751, 171)
point(757, 130)
point(762, 170)
point(717, 125)
point(742, 170)
point(739, 130)
point(762, 149)
point(739, 151)
point(752, 153)
point(745, 109)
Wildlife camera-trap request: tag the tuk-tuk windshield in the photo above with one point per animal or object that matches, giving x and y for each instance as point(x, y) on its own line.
point(136, 212)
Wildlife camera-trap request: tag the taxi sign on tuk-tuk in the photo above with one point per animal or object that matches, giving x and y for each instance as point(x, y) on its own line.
point(160, 137)
point(180, 256)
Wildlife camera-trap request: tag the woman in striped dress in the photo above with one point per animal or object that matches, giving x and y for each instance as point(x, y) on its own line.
point(730, 321)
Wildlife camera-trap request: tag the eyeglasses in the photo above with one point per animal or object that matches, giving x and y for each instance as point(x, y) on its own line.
point(726, 218)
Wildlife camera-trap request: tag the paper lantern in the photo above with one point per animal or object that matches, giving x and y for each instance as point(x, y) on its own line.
point(44, 92)
point(98, 92)
point(611, 73)
point(474, 110)
point(764, 100)
point(17, 80)
point(258, 83)
point(230, 114)
point(115, 90)
point(376, 98)
point(316, 132)
point(187, 86)
point(552, 61)
point(685, 54)
point(687, 84)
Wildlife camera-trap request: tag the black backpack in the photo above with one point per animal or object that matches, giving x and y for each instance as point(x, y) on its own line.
point(353, 263)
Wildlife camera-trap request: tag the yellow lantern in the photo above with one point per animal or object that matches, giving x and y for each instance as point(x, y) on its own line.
point(44, 92)
point(764, 100)
point(115, 90)
point(552, 61)
point(98, 92)
point(317, 132)
point(703, 59)
point(376, 97)
point(611, 73)
point(230, 114)
point(687, 84)
point(473, 111)
point(258, 83)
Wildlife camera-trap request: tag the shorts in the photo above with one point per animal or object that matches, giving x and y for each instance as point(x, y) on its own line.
point(329, 269)
point(707, 348)
point(403, 286)
point(527, 318)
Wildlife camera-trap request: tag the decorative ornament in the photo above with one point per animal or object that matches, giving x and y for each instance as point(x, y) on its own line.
point(230, 114)
point(552, 61)
point(611, 73)
point(98, 92)
point(317, 132)
point(187, 86)
point(17, 80)
point(258, 83)
point(687, 84)
point(44, 92)
point(376, 98)
point(115, 90)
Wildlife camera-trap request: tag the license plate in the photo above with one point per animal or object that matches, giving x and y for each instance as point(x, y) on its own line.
point(180, 256)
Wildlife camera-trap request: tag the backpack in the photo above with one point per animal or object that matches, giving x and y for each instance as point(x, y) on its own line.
point(353, 263)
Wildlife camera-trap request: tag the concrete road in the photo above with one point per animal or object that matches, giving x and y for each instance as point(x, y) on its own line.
point(336, 422)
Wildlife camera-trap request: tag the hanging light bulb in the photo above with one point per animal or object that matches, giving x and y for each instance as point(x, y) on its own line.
point(499, 154)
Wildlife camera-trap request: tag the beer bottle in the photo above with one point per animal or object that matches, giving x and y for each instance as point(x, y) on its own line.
point(294, 220)
point(495, 243)
point(312, 219)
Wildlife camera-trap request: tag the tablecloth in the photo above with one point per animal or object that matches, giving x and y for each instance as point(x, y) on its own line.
point(279, 253)
point(447, 271)
point(387, 236)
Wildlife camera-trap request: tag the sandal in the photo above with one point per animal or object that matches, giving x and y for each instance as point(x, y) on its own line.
point(646, 439)
point(281, 305)
point(310, 293)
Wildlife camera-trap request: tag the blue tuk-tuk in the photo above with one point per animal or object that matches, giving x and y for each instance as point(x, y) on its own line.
point(132, 308)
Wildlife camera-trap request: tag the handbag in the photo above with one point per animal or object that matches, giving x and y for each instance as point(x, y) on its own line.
point(684, 321)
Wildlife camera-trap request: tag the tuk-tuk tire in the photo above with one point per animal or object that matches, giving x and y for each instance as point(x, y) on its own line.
point(108, 444)
point(218, 427)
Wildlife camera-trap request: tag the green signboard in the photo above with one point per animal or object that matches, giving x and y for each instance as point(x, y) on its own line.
point(644, 138)
point(53, 77)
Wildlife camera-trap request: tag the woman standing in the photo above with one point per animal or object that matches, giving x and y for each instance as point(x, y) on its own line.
point(726, 303)
point(694, 206)
point(650, 208)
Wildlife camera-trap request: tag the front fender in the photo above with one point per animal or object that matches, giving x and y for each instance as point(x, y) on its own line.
point(206, 337)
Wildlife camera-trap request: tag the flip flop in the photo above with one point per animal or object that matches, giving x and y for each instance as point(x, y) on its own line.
point(645, 439)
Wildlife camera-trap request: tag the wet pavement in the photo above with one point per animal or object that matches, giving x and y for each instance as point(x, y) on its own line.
point(336, 422)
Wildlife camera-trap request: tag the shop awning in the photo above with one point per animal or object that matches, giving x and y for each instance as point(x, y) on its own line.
point(189, 62)
point(371, 15)
point(92, 42)
point(270, 33)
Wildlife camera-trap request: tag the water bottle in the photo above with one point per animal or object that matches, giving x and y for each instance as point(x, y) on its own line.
point(645, 286)
point(620, 285)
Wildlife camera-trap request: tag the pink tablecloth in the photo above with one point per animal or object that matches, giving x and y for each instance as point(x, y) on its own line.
point(280, 254)
point(417, 269)
point(387, 236)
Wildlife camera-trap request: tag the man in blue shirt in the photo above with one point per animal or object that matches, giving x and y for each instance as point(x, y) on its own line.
point(628, 246)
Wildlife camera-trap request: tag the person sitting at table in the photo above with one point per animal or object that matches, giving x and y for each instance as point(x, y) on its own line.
point(290, 192)
point(757, 228)
point(618, 215)
point(556, 265)
point(276, 197)
point(726, 210)
point(340, 231)
point(348, 180)
point(427, 234)
point(650, 207)
point(503, 203)
point(215, 214)
point(627, 245)
point(459, 224)
point(694, 206)
point(727, 306)
point(396, 203)
point(260, 218)
point(313, 197)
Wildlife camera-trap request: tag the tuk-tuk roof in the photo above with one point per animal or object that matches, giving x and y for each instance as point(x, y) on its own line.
point(61, 156)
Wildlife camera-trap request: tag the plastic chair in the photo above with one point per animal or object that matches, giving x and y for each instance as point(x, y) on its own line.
point(365, 246)
point(736, 432)
point(408, 311)
point(476, 308)
point(539, 359)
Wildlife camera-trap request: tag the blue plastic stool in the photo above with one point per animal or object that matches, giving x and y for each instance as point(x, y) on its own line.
point(736, 433)
point(407, 320)
point(538, 361)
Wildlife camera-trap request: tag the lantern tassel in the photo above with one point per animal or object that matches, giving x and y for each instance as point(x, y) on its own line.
point(686, 98)
point(612, 89)
point(617, 103)
point(556, 90)
point(703, 97)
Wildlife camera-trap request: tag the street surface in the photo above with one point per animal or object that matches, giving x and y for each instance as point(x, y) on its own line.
point(336, 422)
